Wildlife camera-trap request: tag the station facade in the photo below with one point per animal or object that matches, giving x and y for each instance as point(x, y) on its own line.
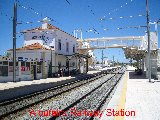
point(47, 50)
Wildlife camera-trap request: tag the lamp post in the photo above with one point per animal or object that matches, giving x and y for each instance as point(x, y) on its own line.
point(148, 32)
point(102, 58)
point(51, 60)
point(113, 60)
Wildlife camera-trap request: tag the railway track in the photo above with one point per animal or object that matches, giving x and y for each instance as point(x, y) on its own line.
point(90, 103)
point(11, 109)
point(15, 105)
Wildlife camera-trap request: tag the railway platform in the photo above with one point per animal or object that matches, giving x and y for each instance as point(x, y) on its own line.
point(134, 99)
point(11, 90)
point(10, 85)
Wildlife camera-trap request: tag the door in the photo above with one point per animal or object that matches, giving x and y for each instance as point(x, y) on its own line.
point(67, 66)
point(33, 72)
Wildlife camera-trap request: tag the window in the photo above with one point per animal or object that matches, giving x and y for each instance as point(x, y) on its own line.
point(74, 48)
point(59, 44)
point(39, 67)
point(73, 64)
point(39, 63)
point(59, 65)
point(158, 69)
point(67, 64)
point(10, 63)
point(22, 63)
point(27, 66)
point(67, 47)
point(3, 70)
point(5, 62)
point(22, 66)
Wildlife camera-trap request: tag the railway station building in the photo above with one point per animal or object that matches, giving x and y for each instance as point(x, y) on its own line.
point(47, 52)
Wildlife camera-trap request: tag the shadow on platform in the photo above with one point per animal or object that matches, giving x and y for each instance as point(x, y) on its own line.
point(133, 75)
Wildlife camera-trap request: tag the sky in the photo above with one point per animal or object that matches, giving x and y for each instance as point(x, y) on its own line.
point(79, 14)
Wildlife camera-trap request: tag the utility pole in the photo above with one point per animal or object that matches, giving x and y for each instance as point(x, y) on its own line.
point(102, 58)
point(14, 41)
point(51, 62)
point(113, 61)
point(149, 50)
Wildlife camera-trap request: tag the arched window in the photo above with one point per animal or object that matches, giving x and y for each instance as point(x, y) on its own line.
point(59, 44)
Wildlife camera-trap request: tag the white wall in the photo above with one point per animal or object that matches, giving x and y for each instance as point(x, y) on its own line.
point(153, 41)
point(45, 37)
point(33, 54)
point(64, 37)
point(154, 65)
point(52, 37)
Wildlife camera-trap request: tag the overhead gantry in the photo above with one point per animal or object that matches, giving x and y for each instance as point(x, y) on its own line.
point(120, 42)
point(135, 50)
point(86, 46)
point(114, 38)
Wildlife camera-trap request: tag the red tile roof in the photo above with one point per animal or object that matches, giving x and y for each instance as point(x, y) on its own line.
point(49, 26)
point(35, 46)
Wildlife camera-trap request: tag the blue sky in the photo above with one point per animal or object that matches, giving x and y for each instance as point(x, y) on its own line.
point(79, 14)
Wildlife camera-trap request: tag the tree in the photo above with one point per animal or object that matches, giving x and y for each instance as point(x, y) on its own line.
point(97, 62)
point(8, 54)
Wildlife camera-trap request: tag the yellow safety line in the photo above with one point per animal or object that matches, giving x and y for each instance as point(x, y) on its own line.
point(122, 100)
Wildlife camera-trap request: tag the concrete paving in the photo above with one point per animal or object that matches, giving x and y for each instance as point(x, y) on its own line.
point(144, 98)
point(12, 90)
point(135, 95)
point(9, 85)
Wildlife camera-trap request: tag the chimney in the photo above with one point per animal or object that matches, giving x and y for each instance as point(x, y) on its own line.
point(45, 23)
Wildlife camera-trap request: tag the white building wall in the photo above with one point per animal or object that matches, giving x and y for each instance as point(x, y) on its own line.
point(158, 65)
point(153, 41)
point(64, 37)
point(50, 38)
point(33, 54)
point(154, 65)
point(45, 37)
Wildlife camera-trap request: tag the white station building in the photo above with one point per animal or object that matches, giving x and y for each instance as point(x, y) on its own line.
point(44, 48)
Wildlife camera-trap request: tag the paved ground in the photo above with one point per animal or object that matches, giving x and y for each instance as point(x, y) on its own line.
point(8, 85)
point(12, 90)
point(144, 98)
point(135, 95)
